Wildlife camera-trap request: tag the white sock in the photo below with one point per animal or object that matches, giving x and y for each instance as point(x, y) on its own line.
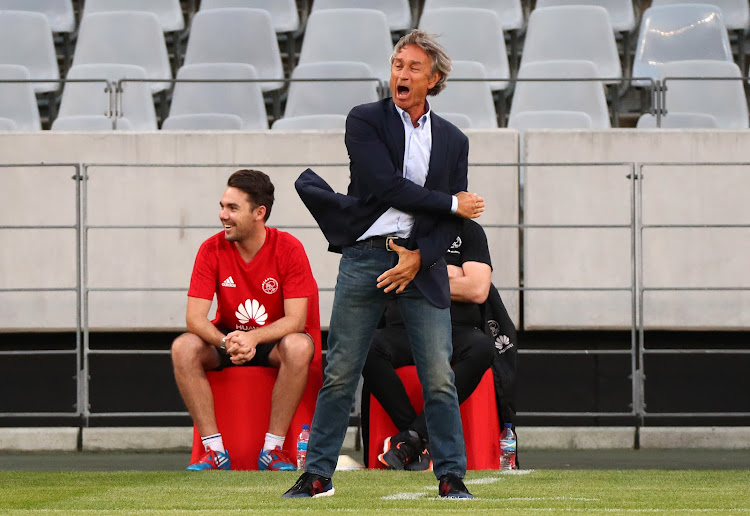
point(272, 441)
point(213, 442)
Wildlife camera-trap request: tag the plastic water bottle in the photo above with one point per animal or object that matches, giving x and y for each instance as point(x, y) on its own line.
point(508, 448)
point(304, 436)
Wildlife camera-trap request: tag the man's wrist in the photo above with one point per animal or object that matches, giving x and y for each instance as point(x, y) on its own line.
point(223, 344)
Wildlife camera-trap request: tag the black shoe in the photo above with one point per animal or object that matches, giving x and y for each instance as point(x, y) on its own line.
point(451, 486)
point(310, 485)
point(400, 450)
point(423, 461)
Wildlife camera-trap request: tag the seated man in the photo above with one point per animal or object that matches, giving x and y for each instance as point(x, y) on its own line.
point(267, 315)
point(469, 270)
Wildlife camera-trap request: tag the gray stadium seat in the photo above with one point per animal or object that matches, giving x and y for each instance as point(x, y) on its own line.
point(621, 13)
point(284, 15)
point(676, 33)
point(91, 99)
point(316, 122)
point(59, 13)
point(723, 99)
point(90, 123)
point(460, 120)
point(349, 35)
point(125, 37)
point(735, 13)
point(243, 99)
point(677, 120)
point(203, 122)
point(169, 12)
point(586, 96)
point(550, 120)
point(469, 34)
point(471, 98)
point(317, 98)
point(6, 124)
point(397, 12)
point(236, 35)
point(573, 32)
point(17, 100)
point(26, 40)
point(509, 11)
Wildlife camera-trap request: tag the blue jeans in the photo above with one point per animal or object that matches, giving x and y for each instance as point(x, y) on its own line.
point(357, 307)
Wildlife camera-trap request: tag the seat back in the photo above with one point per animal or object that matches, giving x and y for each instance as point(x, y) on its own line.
point(349, 35)
point(735, 13)
point(397, 12)
point(26, 40)
point(59, 13)
point(6, 124)
point(676, 120)
point(471, 98)
point(169, 12)
point(460, 120)
point(90, 123)
point(509, 11)
point(585, 96)
point(243, 99)
point(236, 35)
point(284, 15)
point(314, 122)
point(469, 34)
point(203, 122)
point(550, 120)
point(677, 33)
point(17, 99)
point(317, 98)
point(621, 12)
point(91, 98)
point(125, 37)
point(573, 32)
point(723, 99)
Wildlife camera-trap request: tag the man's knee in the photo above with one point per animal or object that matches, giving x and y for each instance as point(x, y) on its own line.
point(189, 349)
point(296, 350)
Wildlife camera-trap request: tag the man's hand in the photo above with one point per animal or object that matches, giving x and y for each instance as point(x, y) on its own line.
point(470, 205)
point(241, 346)
point(404, 271)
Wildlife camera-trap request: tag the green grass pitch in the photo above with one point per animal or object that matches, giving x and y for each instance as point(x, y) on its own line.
point(377, 492)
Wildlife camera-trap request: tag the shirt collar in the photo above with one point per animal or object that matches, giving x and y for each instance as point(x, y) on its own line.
point(406, 119)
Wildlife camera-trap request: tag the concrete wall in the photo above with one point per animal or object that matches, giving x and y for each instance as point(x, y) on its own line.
point(138, 258)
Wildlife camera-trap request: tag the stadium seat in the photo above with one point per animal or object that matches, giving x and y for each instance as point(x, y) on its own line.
point(723, 99)
point(573, 32)
point(236, 35)
point(6, 124)
point(169, 12)
point(676, 33)
point(510, 12)
point(242, 404)
point(202, 122)
point(125, 37)
point(585, 96)
point(550, 120)
point(349, 35)
point(478, 415)
point(621, 12)
point(677, 120)
point(316, 122)
point(243, 99)
point(735, 13)
point(471, 98)
point(59, 13)
point(471, 35)
point(284, 15)
point(90, 123)
point(460, 120)
point(92, 99)
point(397, 12)
point(26, 40)
point(336, 97)
point(17, 100)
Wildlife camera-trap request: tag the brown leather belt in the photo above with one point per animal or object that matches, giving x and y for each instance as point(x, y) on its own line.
point(381, 242)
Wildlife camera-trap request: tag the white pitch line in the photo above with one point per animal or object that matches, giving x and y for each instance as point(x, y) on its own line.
point(476, 481)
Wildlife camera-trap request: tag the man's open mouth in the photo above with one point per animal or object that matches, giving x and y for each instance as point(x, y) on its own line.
point(402, 91)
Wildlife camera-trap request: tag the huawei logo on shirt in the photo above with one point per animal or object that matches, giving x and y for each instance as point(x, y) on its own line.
point(251, 314)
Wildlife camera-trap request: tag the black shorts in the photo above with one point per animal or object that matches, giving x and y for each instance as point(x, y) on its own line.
point(262, 351)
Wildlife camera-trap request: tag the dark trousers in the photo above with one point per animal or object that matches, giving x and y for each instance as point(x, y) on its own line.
point(473, 352)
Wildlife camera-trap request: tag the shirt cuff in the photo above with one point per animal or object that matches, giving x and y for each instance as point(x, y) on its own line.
point(454, 204)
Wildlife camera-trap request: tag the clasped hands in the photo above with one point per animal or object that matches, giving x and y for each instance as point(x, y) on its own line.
point(240, 346)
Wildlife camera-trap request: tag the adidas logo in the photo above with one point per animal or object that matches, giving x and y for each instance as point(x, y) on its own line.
point(229, 282)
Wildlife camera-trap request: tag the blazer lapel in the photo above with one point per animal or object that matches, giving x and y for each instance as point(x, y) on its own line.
point(395, 128)
point(437, 153)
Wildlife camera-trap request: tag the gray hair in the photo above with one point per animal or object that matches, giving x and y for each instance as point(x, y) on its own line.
point(441, 63)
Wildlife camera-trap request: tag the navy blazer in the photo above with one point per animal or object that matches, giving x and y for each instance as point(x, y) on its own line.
point(375, 143)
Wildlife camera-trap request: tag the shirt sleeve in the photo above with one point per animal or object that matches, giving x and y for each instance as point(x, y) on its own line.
point(474, 247)
point(203, 279)
point(297, 278)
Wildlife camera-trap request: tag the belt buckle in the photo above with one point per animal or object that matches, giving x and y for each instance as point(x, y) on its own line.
point(388, 241)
